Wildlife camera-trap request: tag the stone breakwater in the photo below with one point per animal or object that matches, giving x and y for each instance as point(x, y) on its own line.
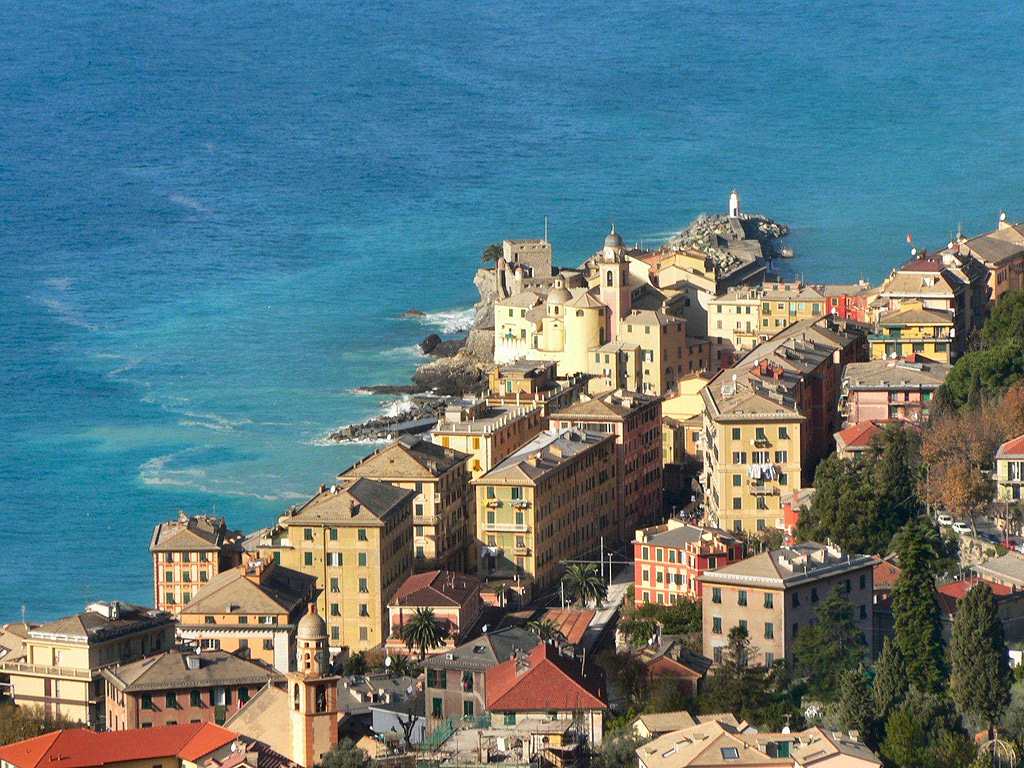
point(705, 231)
point(414, 414)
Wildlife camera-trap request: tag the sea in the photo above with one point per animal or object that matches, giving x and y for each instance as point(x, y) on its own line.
point(214, 215)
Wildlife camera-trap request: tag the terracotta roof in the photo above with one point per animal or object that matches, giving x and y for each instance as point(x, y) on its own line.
point(949, 595)
point(544, 681)
point(408, 458)
point(437, 588)
point(572, 622)
point(858, 437)
point(262, 717)
point(81, 748)
point(885, 574)
point(195, 533)
point(1014, 447)
point(915, 316)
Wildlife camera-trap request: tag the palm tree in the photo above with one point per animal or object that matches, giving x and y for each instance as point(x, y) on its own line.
point(583, 583)
point(546, 630)
point(400, 665)
point(424, 631)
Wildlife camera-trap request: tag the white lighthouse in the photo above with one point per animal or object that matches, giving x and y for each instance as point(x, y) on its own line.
point(734, 204)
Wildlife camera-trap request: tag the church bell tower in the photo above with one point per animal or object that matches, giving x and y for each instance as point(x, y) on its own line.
point(314, 693)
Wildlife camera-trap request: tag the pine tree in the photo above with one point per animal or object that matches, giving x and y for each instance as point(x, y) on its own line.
point(891, 685)
point(916, 614)
point(857, 707)
point(831, 645)
point(980, 679)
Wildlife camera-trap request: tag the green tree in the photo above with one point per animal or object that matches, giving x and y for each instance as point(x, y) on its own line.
point(424, 631)
point(20, 723)
point(638, 631)
point(833, 644)
point(355, 665)
point(617, 752)
point(680, 618)
point(345, 754)
point(925, 732)
point(916, 614)
point(980, 678)
point(584, 584)
point(857, 707)
point(890, 685)
point(546, 630)
point(492, 252)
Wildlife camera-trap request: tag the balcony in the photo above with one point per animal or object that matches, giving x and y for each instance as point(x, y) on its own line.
point(46, 671)
point(764, 490)
point(506, 527)
point(524, 551)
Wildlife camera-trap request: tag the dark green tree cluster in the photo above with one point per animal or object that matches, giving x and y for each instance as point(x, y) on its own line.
point(860, 504)
point(20, 723)
point(345, 754)
point(915, 611)
point(986, 373)
point(681, 618)
point(826, 648)
point(759, 694)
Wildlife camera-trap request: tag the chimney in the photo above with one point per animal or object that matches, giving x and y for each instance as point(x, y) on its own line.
point(323, 487)
point(193, 662)
point(354, 508)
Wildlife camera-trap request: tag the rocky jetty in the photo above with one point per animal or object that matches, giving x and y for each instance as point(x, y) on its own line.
point(416, 415)
point(706, 234)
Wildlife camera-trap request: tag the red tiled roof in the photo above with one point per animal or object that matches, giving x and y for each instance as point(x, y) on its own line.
point(1013, 447)
point(949, 595)
point(859, 436)
point(885, 574)
point(436, 588)
point(544, 681)
point(81, 748)
point(571, 622)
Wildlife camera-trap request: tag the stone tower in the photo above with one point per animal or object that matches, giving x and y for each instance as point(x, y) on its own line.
point(613, 270)
point(734, 204)
point(314, 693)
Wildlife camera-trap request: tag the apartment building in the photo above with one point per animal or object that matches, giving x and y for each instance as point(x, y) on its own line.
point(665, 354)
point(1010, 470)
point(187, 553)
point(635, 420)
point(536, 382)
point(1002, 253)
point(890, 390)
point(356, 538)
point(669, 560)
point(682, 420)
point(552, 500)
point(914, 330)
point(773, 594)
point(63, 659)
point(439, 477)
point(849, 302)
point(252, 609)
point(181, 686)
point(487, 433)
point(769, 420)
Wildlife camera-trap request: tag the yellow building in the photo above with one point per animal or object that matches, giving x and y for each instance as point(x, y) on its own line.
point(664, 352)
point(61, 667)
point(253, 609)
point(535, 382)
point(1002, 253)
point(551, 501)
point(682, 415)
point(770, 419)
point(439, 477)
point(355, 537)
point(487, 433)
point(187, 553)
point(914, 330)
point(1010, 470)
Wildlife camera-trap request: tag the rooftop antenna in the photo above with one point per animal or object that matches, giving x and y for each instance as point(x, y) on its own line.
point(545, 229)
point(23, 621)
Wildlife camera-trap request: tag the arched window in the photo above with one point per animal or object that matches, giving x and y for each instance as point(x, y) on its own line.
point(321, 698)
point(296, 697)
point(611, 277)
point(579, 313)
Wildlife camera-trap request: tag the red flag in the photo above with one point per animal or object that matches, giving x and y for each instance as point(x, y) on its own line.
point(909, 238)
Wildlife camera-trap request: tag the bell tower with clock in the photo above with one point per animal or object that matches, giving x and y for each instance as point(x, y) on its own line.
point(313, 691)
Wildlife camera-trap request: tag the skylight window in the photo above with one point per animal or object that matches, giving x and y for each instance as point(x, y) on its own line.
point(730, 753)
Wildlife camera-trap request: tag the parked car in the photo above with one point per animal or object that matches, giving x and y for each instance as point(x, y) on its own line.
point(991, 538)
point(962, 528)
point(945, 520)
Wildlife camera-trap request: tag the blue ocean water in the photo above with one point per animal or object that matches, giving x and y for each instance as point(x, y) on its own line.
point(214, 214)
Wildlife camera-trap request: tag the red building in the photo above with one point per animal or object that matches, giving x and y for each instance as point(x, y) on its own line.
point(850, 302)
point(669, 560)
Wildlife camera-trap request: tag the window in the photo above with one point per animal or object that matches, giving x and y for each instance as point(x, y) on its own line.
point(863, 611)
point(743, 625)
point(204, 557)
point(243, 619)
point(364, 634)
point(760, 434)
point(467, 682)
point(645, 575)
point(335, 585)
point(186, 597)
point(737, 481)
point(510, 718)
point(435, 708)
point(308, 558)
point(814, 594)
point(243, 695)
point(737, 503)
point(209, 620)
point(863, 581)
point(436, 679)
point(769, 630)
point(361, 534)
point(171, 700)
point(716, 594)
point(658, 553)
point(735, 433)
point(467, 708)
point(781, 457)
point(364, 609)
point(796, 628)
point(717, 654)
point(335, 609)
point(741, 597)
point(796, 599)
point(147, 701)
point(333, 532)
point(195, 698)
point(169, 576)
point(769, 659)
point(307, 534)
point(716, 625)
point(769, 600)
point(783, 478)
point(363, 588)
point(730, 753)
point(783, 433)
point(169, 598)
point(334, 559)
point(268, 645)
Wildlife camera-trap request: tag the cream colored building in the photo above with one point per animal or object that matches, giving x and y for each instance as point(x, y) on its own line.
point(682, 416)
point(550, 501)
point(487, 433)
point(439, 477)
point(769, 421)
point(356, 538)
point(63, 659)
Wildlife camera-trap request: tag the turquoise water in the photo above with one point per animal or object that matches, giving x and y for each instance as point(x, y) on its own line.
point(214, 214)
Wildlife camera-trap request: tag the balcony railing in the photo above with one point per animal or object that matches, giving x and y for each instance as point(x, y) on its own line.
point(48, 671)
point(507, 527)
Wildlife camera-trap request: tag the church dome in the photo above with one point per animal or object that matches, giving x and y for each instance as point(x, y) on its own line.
point(613, 240)
point(559, 295)
point(311, 626)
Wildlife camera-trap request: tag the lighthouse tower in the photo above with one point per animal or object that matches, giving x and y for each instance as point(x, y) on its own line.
point(734, 204)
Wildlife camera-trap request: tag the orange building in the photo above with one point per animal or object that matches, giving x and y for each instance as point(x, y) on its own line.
point(669, 560)
point(187, 553)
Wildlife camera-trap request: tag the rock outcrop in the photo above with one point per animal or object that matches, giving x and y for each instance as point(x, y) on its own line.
point(459, 375)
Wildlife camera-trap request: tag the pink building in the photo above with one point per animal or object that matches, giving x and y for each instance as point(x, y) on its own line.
point(890, 390)
point(635, 420)
point(669, 560)
point(453, 597)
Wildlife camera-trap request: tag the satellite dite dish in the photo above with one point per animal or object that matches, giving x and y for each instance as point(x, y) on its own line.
point(484, 629)
point(1002, 216)
point(387, 662)
point(949, 244)
point(913, 251)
